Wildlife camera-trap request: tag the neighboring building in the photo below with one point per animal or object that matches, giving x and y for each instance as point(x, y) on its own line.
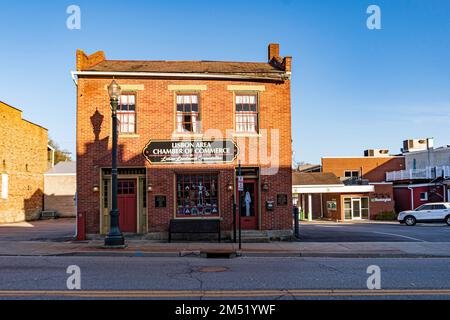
point(309, 168)
point(325, 196)
point(369, 170)
point(24, 159)
point(426, 176)
point(171, 108)
point(60, 187)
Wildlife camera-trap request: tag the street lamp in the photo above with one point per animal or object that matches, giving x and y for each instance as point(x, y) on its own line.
point(114, 237)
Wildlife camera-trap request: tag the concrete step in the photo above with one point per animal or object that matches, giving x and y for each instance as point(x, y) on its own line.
point(254, 236)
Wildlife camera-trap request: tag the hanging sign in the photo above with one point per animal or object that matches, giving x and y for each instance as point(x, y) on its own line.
point(240, 183)
point(190, 152)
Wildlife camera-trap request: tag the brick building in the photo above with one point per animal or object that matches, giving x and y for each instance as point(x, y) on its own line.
point(348, 187)
point(368, 170)
point(24, 159)
point(183, 127)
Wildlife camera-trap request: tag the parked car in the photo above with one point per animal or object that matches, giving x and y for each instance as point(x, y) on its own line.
point(427, 213)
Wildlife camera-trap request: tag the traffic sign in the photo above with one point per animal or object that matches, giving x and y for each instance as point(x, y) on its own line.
point(240, 183)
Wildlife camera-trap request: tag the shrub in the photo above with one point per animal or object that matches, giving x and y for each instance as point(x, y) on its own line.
point(386, 216)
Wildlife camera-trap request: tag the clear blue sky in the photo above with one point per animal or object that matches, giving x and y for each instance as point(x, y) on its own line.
point(352, 88)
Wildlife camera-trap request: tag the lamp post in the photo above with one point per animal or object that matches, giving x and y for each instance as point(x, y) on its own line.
point(114, 237)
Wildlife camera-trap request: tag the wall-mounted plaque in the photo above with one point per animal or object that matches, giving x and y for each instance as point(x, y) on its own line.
point(191, 152)
point(282, 199)
point(160, 201)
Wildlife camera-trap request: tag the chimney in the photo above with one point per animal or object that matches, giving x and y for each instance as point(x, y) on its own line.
point(287, 64)
point(84, 62)
point(274, 51)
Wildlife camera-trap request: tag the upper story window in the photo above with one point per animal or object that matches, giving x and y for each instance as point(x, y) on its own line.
point(352, 174)
point(247, 113)
point(126, 113)
point(188, 113)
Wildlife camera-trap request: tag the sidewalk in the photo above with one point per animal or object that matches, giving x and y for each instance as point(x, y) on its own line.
point(139, 248)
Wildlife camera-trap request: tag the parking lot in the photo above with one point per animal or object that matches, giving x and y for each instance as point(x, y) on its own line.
point(372, 232)
point(41, 230)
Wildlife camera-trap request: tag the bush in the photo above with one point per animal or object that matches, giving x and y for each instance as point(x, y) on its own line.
point(386, 216)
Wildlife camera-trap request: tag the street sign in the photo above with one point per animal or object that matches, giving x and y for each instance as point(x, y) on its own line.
point(240, 183)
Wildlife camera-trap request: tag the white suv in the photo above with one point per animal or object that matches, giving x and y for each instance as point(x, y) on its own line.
point(427, 213)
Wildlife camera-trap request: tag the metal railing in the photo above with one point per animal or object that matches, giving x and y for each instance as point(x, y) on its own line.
point(427, 173)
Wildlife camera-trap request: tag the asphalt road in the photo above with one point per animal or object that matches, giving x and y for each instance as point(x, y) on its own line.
point(242, 278)
point(373, 232)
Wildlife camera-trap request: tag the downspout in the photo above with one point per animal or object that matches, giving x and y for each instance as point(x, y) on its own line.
point(412, 197)
point(74, 79)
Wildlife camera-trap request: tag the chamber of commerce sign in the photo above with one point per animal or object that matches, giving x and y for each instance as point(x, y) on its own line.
point(195, 151)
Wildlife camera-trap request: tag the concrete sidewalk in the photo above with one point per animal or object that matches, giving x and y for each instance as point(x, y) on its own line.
point(273, 249)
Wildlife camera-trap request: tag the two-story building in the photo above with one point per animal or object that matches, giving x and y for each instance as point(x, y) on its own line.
point(183, 128)
point(23, 162)
point(369, 170)
point(348, 188)
point(426, 176)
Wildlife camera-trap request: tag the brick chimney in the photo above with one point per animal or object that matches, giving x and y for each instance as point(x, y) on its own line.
point(287, 64)
point(274, 51)
point(84, 62)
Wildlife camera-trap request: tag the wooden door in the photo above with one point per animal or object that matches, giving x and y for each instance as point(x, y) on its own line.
point(249, 213)
point(127, 203)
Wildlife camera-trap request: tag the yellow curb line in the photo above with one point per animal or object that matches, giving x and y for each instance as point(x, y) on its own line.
point(238, 293)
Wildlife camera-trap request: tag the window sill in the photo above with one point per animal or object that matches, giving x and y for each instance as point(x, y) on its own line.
point(247, 134)
point(129, 136)
point(187, 135)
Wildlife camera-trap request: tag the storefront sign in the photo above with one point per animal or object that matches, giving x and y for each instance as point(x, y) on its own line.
point(191, 152)
point(381, 199)
point(332, 205)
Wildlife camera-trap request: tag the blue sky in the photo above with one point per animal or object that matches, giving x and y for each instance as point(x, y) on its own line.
point(353, 88)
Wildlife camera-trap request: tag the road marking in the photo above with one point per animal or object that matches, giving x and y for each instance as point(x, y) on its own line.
point(223, 294)
point(398, 235)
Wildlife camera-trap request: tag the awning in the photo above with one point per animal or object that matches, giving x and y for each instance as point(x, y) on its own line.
point(332, 189)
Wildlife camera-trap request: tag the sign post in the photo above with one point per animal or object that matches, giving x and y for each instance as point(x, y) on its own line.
point(240, 189)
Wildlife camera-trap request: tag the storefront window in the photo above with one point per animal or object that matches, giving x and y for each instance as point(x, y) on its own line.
point(197, 195)
point(348, 208)
point(365, 208)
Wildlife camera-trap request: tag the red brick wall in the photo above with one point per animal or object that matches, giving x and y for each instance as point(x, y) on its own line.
point(23, 157)
point(156, 120)
point(382, 200)
point(373, 168)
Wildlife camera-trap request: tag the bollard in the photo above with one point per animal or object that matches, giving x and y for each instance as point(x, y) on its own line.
point(296, 222)
point(81, 226)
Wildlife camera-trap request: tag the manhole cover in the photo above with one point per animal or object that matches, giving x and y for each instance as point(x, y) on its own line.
point(213, 269)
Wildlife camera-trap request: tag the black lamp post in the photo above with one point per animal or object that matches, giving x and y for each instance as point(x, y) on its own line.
point(114, 237)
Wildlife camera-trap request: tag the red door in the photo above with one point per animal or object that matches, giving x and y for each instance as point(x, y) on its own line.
point(248, 205)
point(127, 205)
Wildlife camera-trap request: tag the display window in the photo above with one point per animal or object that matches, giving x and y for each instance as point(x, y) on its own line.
point(197, 195)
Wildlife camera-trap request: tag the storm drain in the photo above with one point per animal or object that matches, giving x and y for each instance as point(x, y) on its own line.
point(218, 254)
point(213, 269)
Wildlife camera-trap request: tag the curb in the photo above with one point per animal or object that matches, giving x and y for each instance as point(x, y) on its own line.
point(232, 255)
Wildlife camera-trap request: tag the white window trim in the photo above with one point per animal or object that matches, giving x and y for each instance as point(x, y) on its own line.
point(426, 196)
